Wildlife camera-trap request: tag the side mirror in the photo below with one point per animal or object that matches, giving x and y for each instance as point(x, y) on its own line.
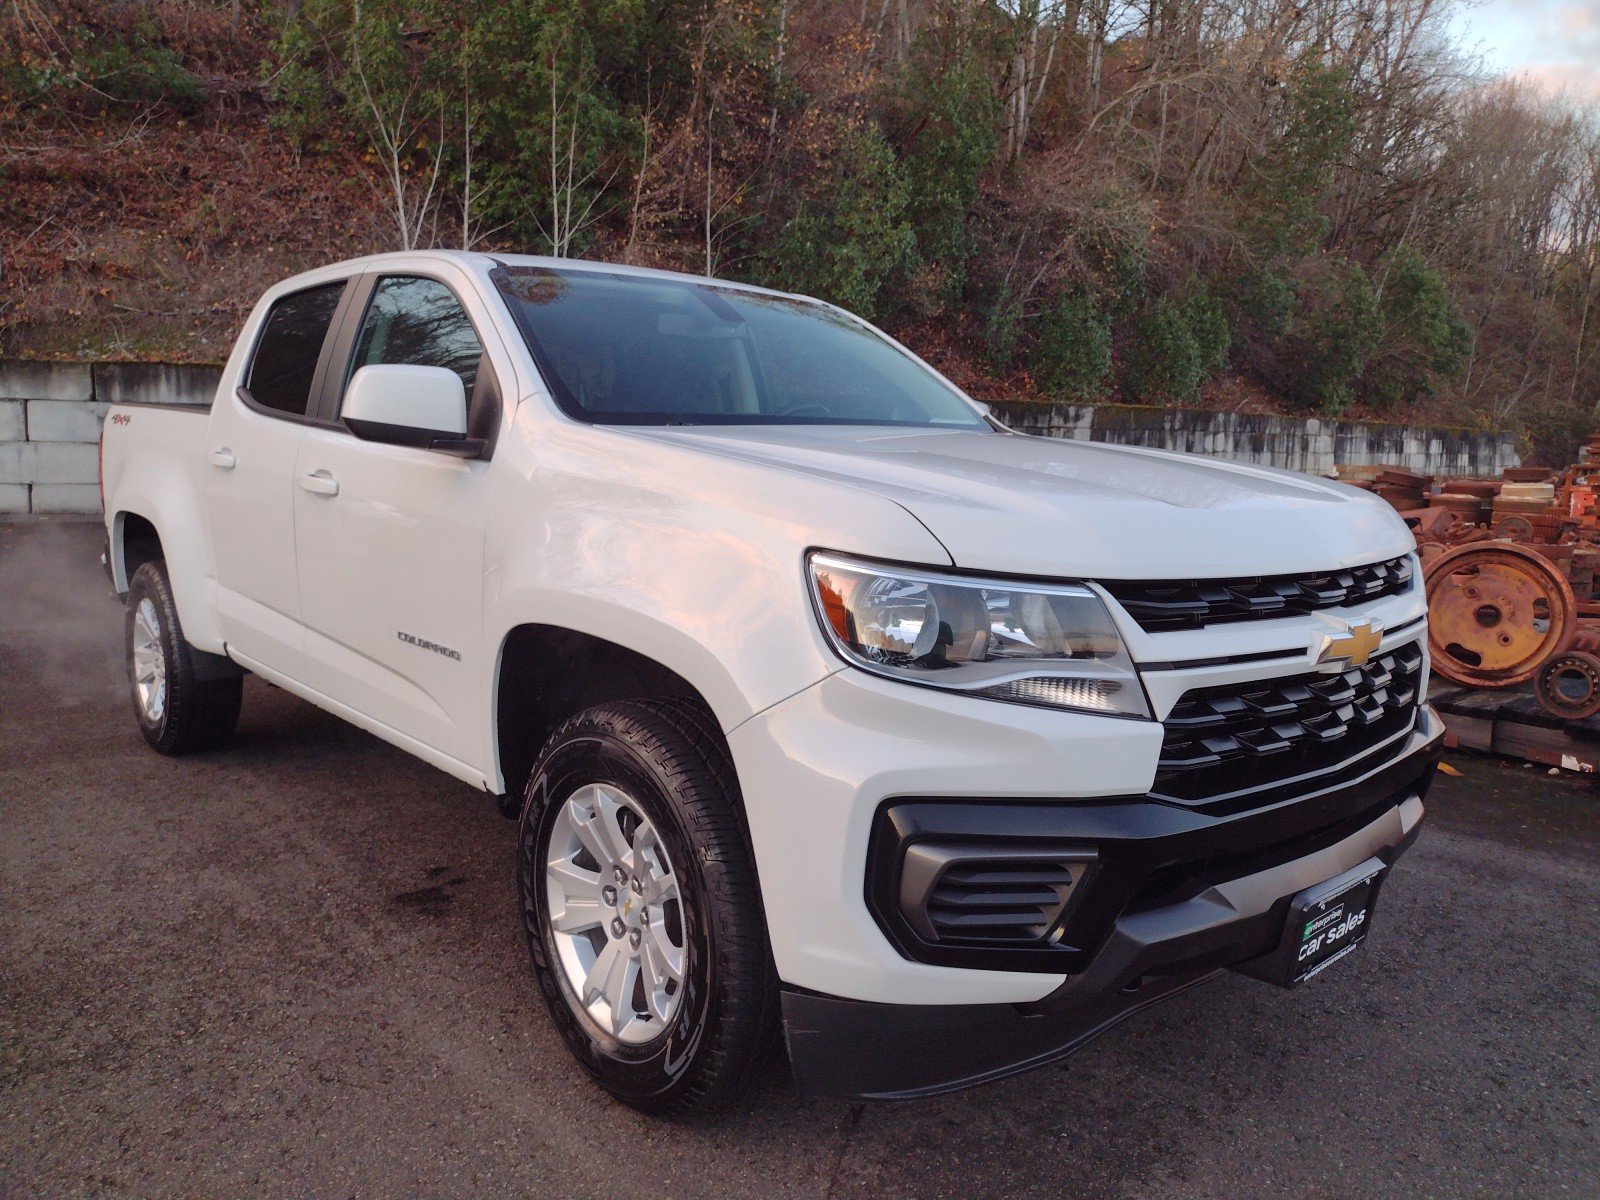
point(407, 405)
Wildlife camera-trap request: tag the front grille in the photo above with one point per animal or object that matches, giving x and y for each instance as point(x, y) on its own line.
point(1000, 901)
point(1195, 603)
point(1239, 737)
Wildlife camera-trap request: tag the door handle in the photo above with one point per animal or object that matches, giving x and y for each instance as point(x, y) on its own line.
point(320, 483)
point(222, 458)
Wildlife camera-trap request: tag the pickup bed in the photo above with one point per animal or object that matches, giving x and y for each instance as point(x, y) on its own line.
point(826, 704)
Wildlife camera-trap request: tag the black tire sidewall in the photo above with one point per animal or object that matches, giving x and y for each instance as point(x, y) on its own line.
point(637, 1073)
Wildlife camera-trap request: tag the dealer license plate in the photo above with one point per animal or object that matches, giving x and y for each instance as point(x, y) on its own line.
point(1328, 921)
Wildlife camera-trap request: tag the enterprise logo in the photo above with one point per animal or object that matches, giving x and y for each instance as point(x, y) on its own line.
point(412, 640)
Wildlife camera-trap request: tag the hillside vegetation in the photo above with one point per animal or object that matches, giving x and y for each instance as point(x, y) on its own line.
point(1310, 205)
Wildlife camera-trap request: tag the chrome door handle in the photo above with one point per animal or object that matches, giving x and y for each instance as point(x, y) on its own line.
point(320, 483)
point(222, 458)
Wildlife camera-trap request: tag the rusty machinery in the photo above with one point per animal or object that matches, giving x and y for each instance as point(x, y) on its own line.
point(1511, 567)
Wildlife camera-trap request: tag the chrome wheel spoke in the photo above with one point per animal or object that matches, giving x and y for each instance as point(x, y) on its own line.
point(661, 964)
point(605, 974)
point(580, 906)
point(600, 830)
point(658, 889)
point(608, 824)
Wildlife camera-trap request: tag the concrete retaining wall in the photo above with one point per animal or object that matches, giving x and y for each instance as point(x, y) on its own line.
point(1294, 443)
point(50, 415)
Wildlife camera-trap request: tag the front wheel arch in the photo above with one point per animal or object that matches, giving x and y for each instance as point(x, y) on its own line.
point(547, 674)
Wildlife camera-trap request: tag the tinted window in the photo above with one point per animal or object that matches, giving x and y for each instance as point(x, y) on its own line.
point(421, 323)
point(291, 340)
point(641, 350)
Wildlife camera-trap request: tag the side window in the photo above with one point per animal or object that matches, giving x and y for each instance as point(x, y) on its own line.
point(418, 322)
point(285, 361)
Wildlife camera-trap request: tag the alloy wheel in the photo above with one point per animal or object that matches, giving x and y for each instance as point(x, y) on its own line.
point(149, 662)
point(616, 914)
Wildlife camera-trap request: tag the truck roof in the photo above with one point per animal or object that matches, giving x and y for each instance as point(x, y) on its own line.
point(481, 263)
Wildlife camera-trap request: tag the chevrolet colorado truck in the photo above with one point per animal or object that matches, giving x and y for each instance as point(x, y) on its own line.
point(827, 705)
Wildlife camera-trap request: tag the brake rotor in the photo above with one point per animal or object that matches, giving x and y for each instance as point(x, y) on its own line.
point(1496, 613)
point(1569, 685)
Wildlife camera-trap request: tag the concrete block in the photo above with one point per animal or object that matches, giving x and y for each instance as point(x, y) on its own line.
point(66, 498)
point(13, 497)
point(155, 383)
point(49, 462)
point(21, 379)
point(13, 421)
point(64, 420)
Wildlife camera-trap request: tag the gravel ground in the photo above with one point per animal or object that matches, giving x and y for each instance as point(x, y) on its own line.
point(293, 968)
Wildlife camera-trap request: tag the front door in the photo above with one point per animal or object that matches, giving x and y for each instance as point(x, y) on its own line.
point(390, 542)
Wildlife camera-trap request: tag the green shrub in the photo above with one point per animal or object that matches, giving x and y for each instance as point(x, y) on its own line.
point(950, 105)
point(1176, 346)
point(129, 65)
point(848, 249)
point(1208, 326)
point(1072, 351)
point(1333, 335)
point(1316, 123)
point(1262, 303)
point(1002, 328)
point(1163, 360)
point(1423, 339)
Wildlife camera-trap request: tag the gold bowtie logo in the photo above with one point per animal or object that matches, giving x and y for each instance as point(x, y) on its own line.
point(1354, 646)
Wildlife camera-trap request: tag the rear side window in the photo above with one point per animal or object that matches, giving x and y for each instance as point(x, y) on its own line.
point(291, 342)
point(418, 322)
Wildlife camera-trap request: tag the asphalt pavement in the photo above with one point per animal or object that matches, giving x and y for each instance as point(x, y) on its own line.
point(293, 968)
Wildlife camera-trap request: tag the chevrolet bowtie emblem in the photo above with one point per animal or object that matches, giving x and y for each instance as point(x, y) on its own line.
point(1354, 646)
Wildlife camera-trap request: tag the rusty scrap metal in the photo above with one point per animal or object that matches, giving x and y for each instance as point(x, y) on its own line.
point(1497, 612)
point(1512, 568)
point(1569, 685)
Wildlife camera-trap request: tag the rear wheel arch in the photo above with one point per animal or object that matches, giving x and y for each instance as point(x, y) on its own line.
point(547, 674)
point(134, 542)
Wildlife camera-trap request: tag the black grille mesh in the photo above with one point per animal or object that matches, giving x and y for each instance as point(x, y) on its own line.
point(1224, 740)
point(999, 900)
point(1196, 603)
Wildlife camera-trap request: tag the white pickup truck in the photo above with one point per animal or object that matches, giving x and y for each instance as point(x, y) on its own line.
point(826, 703)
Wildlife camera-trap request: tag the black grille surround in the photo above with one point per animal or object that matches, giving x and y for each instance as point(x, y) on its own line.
point(1226, 744)
point(1168, 604)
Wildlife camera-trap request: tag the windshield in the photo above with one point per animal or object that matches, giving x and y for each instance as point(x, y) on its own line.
point(621, 349)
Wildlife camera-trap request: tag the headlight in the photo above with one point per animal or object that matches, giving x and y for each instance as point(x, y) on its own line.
point(1053, 646)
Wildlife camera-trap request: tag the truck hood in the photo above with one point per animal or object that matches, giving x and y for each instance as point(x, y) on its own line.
point(1016, 504)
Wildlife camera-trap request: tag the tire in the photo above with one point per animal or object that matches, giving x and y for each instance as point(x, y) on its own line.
point(670, 1052)
point(177, 713)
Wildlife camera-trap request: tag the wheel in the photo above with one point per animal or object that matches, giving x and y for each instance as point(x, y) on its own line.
point(177, 713)
point(1497, 612)
point(640, 905)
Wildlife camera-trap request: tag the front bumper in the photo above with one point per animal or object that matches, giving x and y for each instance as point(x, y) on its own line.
point(1233, 913)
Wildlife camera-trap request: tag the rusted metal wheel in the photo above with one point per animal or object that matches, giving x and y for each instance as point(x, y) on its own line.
point(1514, 527)
point(1497, 612)
point(1569, 685)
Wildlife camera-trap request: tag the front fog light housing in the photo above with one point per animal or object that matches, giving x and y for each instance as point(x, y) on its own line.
point(1052, 646)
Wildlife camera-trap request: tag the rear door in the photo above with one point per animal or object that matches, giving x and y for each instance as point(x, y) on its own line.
point(391, 566)
point(252, 443)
